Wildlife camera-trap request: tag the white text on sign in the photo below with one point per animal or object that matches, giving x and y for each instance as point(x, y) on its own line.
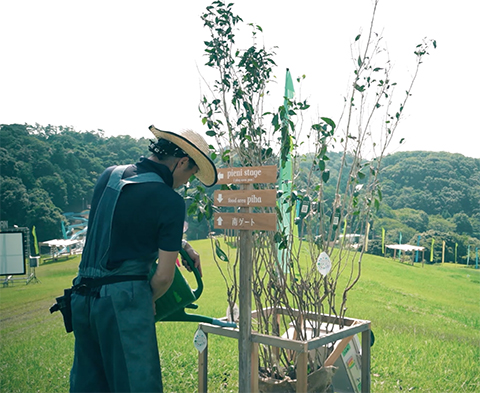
point(245, 198)
point(246, 175)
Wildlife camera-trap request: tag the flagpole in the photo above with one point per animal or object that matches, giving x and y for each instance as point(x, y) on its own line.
point(418, 244)
point(431, 250)
point(383, 241)
point(286, 178)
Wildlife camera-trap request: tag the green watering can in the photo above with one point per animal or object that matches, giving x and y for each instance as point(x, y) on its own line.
point(171, 306)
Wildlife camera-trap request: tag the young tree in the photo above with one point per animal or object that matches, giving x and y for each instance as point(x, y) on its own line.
point(321, 267)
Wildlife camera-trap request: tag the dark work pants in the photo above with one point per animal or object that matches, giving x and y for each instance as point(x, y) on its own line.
point(115, 341)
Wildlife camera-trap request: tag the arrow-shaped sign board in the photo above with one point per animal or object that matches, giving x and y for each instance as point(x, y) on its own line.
point(245, 198)
point(247, 175)
point(246, 221)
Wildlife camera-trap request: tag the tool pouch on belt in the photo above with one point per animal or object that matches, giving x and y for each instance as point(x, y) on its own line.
point(64, 305)
point(86, 287)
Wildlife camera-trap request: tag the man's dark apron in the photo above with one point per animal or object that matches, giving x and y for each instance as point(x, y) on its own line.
point(115, 340)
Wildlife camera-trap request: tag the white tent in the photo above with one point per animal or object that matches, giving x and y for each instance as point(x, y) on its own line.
point(59, 246)
point(405, 247)
point(59, 243)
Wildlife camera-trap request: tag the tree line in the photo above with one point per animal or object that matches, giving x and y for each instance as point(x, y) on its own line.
point(46, 171)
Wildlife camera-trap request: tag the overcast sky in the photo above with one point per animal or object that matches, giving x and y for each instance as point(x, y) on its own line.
point(120, 66)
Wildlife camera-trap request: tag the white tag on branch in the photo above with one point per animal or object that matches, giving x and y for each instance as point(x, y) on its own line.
point(200, 340)
point(324, 264)
point(236, 314)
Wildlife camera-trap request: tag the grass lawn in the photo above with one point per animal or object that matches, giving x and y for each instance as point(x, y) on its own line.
point(426, 323)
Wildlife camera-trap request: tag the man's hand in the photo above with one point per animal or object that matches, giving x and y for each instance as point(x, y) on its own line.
point(195, 258)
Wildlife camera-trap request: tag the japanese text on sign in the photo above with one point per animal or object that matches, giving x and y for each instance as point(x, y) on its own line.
point(246, 221)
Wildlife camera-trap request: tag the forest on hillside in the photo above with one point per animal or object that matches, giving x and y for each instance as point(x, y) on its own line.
point(47, 171)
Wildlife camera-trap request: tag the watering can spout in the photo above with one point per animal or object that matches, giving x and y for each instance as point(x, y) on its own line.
point(171, 306)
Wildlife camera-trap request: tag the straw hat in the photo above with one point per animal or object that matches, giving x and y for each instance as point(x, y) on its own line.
point(196, 147)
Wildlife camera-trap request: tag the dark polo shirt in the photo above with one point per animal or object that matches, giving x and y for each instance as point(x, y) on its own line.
point(148, 216)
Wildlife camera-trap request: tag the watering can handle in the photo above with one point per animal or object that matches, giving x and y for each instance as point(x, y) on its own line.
point(197, 292)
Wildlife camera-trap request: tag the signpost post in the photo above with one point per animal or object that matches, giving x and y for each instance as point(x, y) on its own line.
point(246, 221)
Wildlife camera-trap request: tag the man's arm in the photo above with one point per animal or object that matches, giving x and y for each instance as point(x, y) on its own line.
point(192, 254)
point(163, 277)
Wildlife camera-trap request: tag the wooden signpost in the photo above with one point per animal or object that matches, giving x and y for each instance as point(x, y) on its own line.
point(246, 221)
point(247, 175)
point(245, 198)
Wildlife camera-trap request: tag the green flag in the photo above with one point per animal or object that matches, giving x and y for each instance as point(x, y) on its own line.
point(289, 89)
point(35, 241)
point(286, 178)
point(366, 236)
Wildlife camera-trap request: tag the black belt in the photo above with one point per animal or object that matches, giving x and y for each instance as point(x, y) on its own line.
point(91, 286)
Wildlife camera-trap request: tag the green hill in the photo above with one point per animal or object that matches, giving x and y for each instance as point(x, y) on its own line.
point(436, 183)
point(46, 171)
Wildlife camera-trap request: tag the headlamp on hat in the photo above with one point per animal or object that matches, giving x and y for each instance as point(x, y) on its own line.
point(163, 149)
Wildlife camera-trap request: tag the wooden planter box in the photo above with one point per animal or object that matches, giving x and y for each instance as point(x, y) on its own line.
point(352, 327)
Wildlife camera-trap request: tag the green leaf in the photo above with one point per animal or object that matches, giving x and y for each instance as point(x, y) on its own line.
point(326, 176)
point(330, 122)
point(208, 211)
point(357, 37)
point(360, 88)
point(321, 165)
point(275, 122)
point(192, 209)
point(219, 252)
point(277, 238)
